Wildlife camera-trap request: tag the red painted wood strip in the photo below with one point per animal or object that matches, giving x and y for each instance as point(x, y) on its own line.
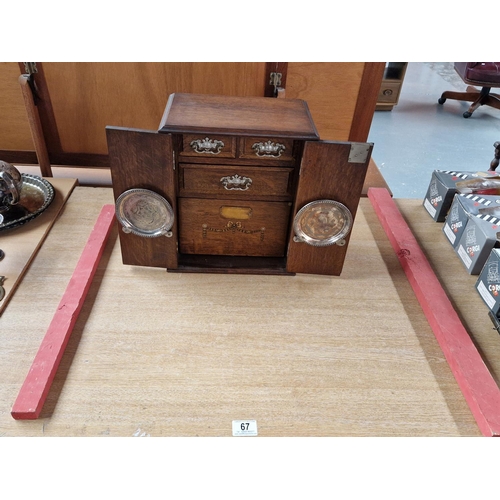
point(474, 379)
point(33, 393)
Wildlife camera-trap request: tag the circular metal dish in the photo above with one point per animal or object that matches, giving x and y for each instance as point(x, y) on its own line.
point(36, 195)
point(144, 213)
point(322, 223)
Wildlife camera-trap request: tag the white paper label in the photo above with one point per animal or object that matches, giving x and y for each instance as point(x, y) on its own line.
point(429, 207)
point(463, 255)
point(244, 427)
point(449, 232)
point(483, 291)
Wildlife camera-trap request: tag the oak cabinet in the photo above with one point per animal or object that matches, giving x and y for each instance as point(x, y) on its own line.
point(237, 172)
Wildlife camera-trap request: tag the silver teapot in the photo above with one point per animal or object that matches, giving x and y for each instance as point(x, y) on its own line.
point(11, 183)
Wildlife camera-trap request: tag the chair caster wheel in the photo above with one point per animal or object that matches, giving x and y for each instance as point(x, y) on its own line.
point(442, 100)
point(467, 114)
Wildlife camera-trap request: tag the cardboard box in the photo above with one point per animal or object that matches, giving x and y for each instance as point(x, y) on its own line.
point(488, 283)
point(462, 207)
point(478, 240)
point(443, 187)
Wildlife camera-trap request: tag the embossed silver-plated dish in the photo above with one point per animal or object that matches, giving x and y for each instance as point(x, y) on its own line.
point(36, 195)
point(322, 223)
point(144, 213)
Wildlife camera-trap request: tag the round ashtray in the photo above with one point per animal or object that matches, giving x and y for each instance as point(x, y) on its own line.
point(144, 213)
point(322, 223)
point(36, 195)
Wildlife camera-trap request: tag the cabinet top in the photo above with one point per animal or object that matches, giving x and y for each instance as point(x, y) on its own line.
point(260, 116)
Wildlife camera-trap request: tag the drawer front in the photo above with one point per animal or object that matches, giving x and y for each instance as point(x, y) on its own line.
point(215, 227)
point(208, 146)
point(266, 148)
point(245, 182)
point(389, 92)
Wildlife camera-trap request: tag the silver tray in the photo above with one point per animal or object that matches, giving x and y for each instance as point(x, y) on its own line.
point(322, 223)
point(36, 195)
point(144, 213)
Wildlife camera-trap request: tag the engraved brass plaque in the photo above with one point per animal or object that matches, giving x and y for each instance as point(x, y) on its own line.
point(241, 213)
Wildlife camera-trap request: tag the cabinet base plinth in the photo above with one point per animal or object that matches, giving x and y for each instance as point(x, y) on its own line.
point(226, 264)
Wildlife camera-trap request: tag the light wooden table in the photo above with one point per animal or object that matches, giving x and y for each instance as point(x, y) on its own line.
point(171, 354)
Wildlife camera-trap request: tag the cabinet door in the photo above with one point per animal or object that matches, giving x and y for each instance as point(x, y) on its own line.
point(329, 171)
point(144, 159)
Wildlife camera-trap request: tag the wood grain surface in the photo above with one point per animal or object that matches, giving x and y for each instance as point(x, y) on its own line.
point(261, 116)
point(331, 92)
point(14, 126)
point(35, 127)
point(473, 376)
point(167, 354)
point(133, 94)
point(21, 244)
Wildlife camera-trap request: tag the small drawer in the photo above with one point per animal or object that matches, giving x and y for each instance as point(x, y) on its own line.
point(266, 148)
point(215, 227)
point(209, 146)
point(389, 92)
point(242, 181)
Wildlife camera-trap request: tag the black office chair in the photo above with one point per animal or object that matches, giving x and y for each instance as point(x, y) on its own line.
point(496, 160)
point(481, 74)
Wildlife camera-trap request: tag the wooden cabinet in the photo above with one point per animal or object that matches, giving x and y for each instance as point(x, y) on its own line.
point(392, 82)
point(237, 171)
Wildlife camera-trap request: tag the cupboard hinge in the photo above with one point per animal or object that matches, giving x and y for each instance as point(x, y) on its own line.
point(359, 152)
point(275, 79)
point(173, 159)
point(31, 69)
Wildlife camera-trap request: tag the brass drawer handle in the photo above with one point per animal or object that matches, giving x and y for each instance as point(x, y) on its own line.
point(236, 183)
point(268, 148)
point(207, 145)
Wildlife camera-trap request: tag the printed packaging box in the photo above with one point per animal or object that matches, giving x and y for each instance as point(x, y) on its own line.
point(462, 207)
point(488, 283)
point(443, 187)
point(478, 239)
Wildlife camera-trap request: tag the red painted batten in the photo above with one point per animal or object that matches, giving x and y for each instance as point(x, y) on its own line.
point(34, 391)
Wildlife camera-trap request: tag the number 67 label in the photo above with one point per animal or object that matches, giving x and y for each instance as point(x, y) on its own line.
point(244, 427)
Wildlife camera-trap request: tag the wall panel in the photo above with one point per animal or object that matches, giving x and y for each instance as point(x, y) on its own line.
point(86, 97)
point(14, 128)
point(331, 90)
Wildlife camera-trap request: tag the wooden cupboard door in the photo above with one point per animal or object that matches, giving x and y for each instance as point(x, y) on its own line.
point(329, 171)
point(144, 159)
